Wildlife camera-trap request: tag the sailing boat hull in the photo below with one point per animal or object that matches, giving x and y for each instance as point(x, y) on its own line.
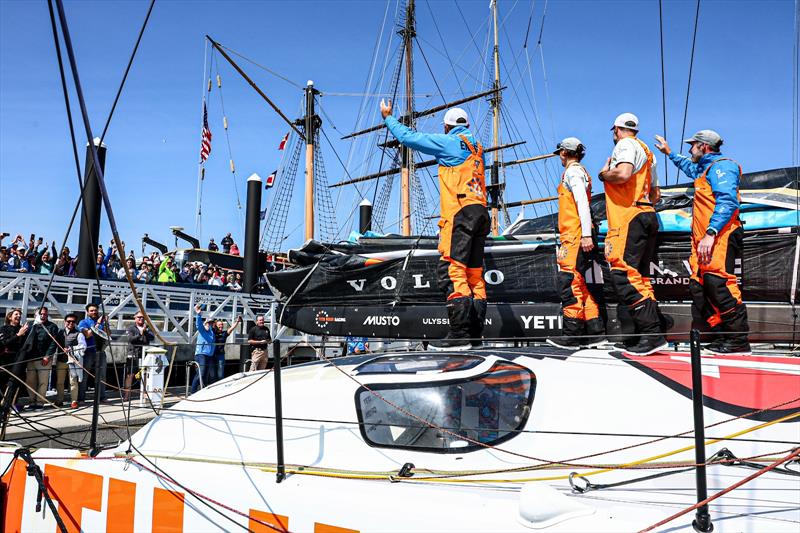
point(769, 322)
point(207, 464)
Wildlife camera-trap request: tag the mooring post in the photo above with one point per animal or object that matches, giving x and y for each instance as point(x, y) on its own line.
point(89, 235)
point(364, 216)
point(702, 521)
point(276, 371)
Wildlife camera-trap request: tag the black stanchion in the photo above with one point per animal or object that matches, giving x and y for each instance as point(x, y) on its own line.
point(702, 521)
point(276, 370)
point(93, 449)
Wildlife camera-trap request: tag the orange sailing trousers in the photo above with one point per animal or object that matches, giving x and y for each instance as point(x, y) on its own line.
point(461, 243)
point(629, 249)
point(576, 301)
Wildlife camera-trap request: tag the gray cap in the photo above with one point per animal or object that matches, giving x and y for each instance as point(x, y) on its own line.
point(570, 143)
point(709, 137)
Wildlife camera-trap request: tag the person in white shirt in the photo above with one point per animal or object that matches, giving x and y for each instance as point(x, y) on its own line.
point(631, 188)
point(581, 322)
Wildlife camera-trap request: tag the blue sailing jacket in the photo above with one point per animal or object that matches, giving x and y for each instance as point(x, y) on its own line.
point(724, 181)
point(448, 149)
point(205, 338)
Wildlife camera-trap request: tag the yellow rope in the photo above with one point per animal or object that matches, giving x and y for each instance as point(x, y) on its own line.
point(392, 476)
point(620, 467)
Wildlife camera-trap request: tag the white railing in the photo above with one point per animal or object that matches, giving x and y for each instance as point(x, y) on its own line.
point(171, 307)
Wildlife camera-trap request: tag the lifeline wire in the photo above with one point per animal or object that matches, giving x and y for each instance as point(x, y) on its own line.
point(688, 87)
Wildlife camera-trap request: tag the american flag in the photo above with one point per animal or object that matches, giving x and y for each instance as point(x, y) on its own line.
point(282, 145)
point(205, 143)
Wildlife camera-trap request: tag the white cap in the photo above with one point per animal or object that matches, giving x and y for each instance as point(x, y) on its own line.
point(628, 121)
point(456, 116)
point(570, 143)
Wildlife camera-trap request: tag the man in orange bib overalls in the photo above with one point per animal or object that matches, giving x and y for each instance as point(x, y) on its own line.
point(581, 323)
point(717, 242)
point(464, 222)
point(631, 188)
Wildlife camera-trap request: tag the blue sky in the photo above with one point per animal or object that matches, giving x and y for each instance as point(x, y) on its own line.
point(600, 59)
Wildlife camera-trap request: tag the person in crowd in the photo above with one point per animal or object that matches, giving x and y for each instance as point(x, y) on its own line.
point(70, 360)
point(42, 347)
point(631, 188)
point(464, 222)
point(165, 272)
point(115, 269)
point(357, 345)
point(232, 284)
point(186, 274)
point(3, 259)
point(212, 246)
point(204, 349)
point(220, 338)
point(18, 260)
point(227, 241)
point(581, 322)
point(145, 274)
point(717, 242)
point(101, 265)
point(130, 262)
point(258, 338)
point(216, 278)
point(65, 265)
point(12, 356)
point(94, 361)
point(139, 335)
point(46, 260)
point(234, 249)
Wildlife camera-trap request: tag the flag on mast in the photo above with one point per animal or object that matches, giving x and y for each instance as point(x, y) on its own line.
point(282, 145)
point(205, 142)
point(271, 179)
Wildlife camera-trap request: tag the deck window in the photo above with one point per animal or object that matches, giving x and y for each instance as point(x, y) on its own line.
point(448, 416)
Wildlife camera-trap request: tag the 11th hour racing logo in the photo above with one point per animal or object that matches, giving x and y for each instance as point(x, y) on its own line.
point(323, 319)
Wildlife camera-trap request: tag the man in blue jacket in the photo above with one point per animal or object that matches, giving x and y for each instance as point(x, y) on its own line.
point(717, 237)
point(464, 222)
point(204, 349)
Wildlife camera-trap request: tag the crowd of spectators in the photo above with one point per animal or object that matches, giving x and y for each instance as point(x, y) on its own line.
point(34, 255)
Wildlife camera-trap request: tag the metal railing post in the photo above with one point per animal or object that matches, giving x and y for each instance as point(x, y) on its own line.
point(276, 370)
point(702, 521)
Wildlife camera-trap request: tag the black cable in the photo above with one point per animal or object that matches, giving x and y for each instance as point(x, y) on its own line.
point(663, 83)
point(396, 78)
point(84, 113)
point(688, 88)
point(34, 471)
point(127, 69)
point(433, 76)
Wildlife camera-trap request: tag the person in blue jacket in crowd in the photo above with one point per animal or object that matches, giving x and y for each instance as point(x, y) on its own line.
point(204, 350)
point(717, 242)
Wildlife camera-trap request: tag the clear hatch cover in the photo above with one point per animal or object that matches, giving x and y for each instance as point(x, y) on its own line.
point(416, 363)
point(448, 416)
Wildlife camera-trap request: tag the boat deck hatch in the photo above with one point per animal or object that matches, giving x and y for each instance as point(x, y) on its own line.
point(451, 416)
point(418, 363)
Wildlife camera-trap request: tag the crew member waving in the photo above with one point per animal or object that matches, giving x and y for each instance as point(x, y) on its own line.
point(631, 187)
point(464, 221)
point(581, 323)
point(716, 241)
